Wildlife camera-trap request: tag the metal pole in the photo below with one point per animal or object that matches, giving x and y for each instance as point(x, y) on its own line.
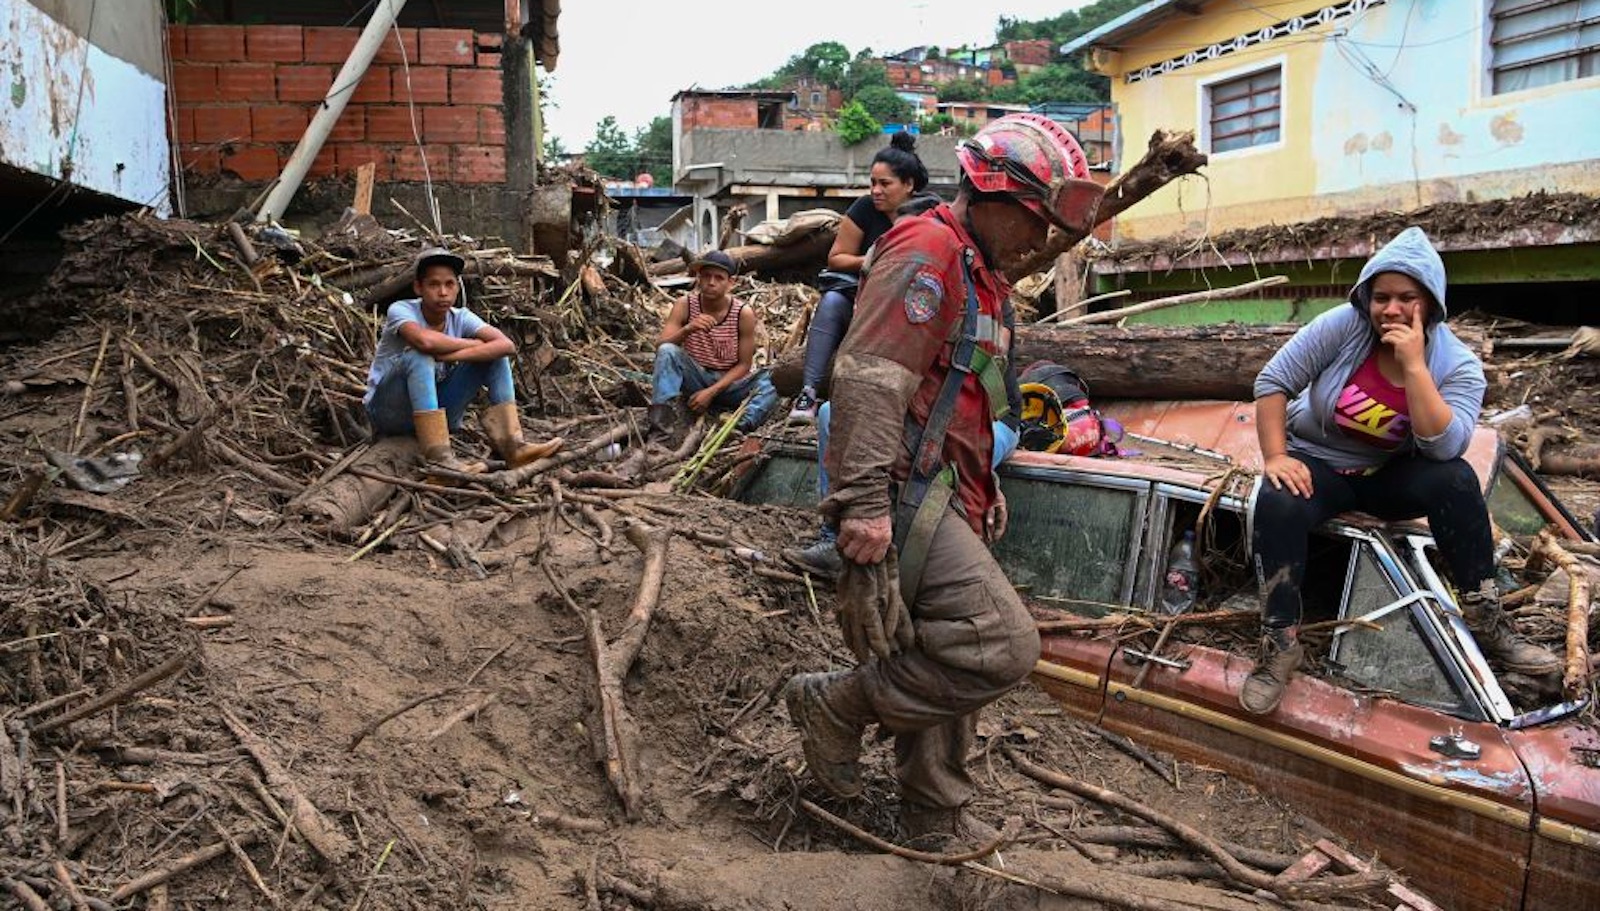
point(383, 19)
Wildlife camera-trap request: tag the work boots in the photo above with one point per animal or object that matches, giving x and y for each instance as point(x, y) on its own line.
point(944, 829)
point(832, 713)
point(503, 426)
point(1280, 655)
point(820, 558)
point(662, 420)
point(1498, 640)
point(433, 438)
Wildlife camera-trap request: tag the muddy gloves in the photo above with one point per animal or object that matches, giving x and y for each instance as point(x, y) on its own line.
point(872, 614)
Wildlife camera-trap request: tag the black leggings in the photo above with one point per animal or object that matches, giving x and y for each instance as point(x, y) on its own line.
point(1407, 487)
point(828, 326)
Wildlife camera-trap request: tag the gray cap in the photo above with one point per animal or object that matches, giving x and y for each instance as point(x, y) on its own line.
point(435, 255)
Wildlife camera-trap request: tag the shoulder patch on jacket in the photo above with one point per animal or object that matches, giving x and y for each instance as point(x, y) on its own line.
point(924, 294)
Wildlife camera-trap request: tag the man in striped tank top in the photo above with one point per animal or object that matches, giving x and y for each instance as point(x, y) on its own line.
point(707, 353)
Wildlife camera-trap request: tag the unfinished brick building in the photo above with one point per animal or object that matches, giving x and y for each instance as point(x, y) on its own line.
point(450, 98)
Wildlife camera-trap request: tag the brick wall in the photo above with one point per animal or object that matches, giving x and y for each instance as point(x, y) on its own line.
point(719, 113)
point(245, 94)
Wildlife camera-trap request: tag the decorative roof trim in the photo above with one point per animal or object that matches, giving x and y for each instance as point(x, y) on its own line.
point(1291, 26)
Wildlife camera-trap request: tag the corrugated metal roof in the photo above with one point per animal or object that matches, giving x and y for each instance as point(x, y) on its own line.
point(1134, 22)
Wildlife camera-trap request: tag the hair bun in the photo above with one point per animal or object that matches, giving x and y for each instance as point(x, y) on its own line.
point(904, 141)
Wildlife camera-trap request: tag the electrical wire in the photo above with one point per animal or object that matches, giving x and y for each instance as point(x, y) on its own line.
point(416, 133)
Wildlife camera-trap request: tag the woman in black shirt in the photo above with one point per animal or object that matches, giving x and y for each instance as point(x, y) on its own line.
point(897, 175)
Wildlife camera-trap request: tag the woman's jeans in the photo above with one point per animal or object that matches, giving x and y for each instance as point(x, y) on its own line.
point(1407, 487)
point(828, 326)
point(412, 384)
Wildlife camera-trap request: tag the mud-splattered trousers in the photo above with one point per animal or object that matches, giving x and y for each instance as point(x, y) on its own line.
point(1405, 487)
point(973, 640)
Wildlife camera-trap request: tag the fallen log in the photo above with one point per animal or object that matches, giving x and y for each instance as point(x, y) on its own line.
point(808, 254)
point(327, 841)
point(348, 501)
point(1166, 362)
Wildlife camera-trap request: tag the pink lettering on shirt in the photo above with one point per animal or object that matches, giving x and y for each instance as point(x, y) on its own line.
point(1372, 409)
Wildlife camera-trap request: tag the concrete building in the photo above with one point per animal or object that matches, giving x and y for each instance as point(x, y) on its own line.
point(86, 85)
point(1349, 109)
point(80, 132)
point(975, 115)
point(729, 148)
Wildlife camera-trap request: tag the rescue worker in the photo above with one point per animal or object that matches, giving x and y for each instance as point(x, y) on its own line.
point(919, 380)
point(432, 359)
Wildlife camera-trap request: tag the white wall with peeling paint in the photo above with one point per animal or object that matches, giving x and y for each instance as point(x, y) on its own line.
point(71, 111)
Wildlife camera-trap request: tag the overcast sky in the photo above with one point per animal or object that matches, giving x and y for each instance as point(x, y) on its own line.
point(628, 58)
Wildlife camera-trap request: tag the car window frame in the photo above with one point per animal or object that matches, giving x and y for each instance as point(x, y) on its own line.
point(1141, 489)
point(1422, 602)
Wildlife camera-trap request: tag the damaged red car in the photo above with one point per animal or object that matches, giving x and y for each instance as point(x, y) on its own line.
point(1484, 790)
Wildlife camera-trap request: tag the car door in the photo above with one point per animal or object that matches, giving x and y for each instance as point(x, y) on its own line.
point(1395, 751)
point(1073, 545)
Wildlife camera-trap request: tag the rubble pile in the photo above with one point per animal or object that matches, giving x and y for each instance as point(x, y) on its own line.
point(207, 698)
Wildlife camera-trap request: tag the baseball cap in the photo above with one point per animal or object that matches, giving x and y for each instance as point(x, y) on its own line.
point(716, 259)
point(435, 255)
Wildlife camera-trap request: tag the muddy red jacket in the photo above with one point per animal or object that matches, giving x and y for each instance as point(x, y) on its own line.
point(894, 360)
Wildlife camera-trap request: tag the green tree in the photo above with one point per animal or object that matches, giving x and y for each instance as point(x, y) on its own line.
point(653, 148)
point(963, 90)
point(1063, 82)
point(855, 124)
point(610, 153)
point(883, 104)
point(864, 72)
point(553, 150)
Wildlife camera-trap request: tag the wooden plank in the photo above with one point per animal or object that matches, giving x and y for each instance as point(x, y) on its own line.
point(366, 176)
point(1306, 867)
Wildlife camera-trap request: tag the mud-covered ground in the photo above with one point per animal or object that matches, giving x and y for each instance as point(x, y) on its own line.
point(285, 643)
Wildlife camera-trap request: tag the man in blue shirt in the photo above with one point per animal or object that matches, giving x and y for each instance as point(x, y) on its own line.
point(432, 359)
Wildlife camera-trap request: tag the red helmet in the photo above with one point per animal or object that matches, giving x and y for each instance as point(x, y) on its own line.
point(1037, 162)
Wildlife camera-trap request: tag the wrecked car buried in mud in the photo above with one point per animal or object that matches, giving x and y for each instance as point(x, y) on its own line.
point(1482, 790)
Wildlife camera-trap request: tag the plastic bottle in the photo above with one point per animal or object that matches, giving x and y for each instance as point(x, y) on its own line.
point(1182, 582)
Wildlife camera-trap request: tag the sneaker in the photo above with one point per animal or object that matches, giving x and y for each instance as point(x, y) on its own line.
point(820, 558)
point(805, 407)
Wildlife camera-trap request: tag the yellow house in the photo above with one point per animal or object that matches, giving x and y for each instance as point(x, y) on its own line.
point(1311, 109)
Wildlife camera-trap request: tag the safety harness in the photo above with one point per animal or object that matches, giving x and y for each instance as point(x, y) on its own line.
point(926, 493)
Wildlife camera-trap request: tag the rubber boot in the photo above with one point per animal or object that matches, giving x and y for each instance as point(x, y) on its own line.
point(1280, 655)
point(832, 713)
point(1499, 640)
point(503, 426)
point(433, 438)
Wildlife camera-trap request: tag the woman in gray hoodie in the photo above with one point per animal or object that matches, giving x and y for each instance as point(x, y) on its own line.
point(1371, 407)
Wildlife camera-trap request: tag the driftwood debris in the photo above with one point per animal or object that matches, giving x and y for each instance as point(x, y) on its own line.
point(308, 820)
point(1575, 677)
point(1111, 316)
point(613, 734)
point(348, 501)
point(1167, 157)
point(1237, 871)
